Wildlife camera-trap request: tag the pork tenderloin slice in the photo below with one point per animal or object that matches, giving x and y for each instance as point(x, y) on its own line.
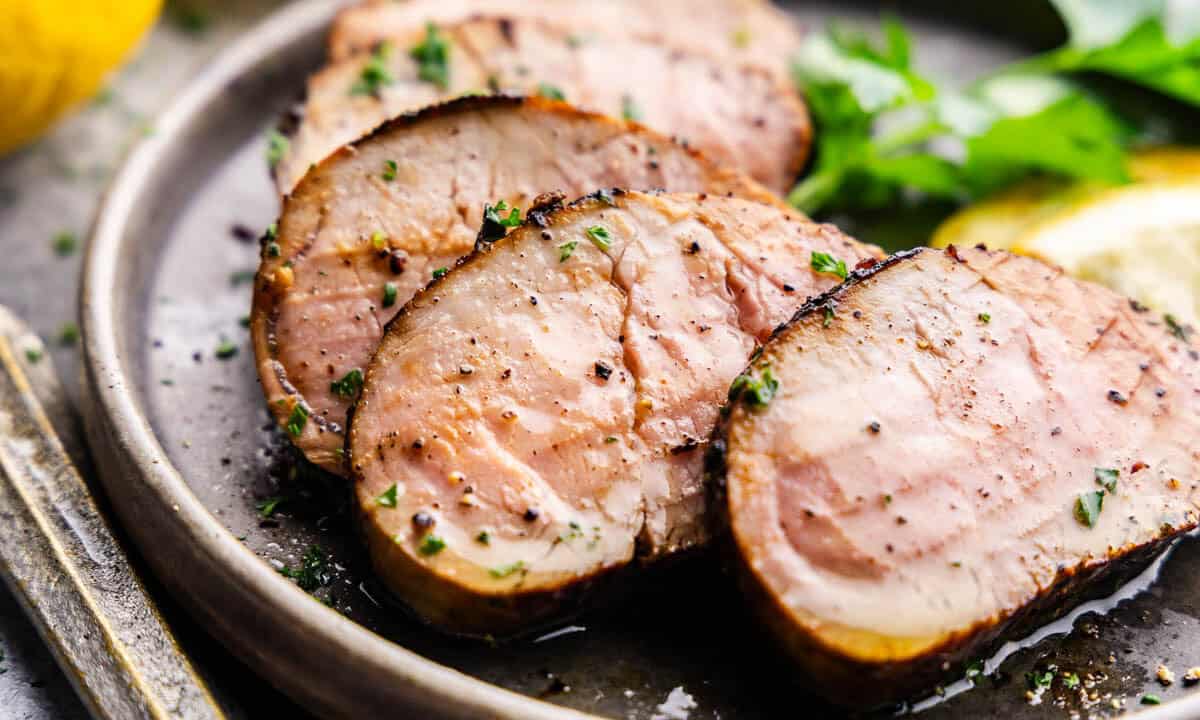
point(742, 117)
point(357, 225)
point(908, 497)
point(541, 411)
point(735, 31)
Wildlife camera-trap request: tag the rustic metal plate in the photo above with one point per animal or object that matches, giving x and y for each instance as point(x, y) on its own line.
point(189, 455)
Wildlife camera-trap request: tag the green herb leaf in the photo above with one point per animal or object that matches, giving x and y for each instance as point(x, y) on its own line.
point(68, 334)
point(826, 263)
point(985, 318)
point(33, 355)
point(375, 75)
point(313, 572)
point(1107, 478)
point(297, 419)
point(565, 250)
point(1179, 330)
point(277, 147)
point(974, 673)
point(388, 497)
point(496, 214)
point(440, 273)
point(431, 545)
point(389, 170)
point(226, 349)
point(266, 508)
point(550, 92)
point(1151, 699)
point(433, 58)
point(65, 244)
point(484, 538)
point(1040, 679)
point(1070, 681)
point(755, 392)
point(600, 236)
point(389, 294)
point(504, 571)
point(349, 386)
point(1088, 506)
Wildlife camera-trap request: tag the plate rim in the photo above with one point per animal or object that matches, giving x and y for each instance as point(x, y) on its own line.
point(135, 470)
point(121, 434)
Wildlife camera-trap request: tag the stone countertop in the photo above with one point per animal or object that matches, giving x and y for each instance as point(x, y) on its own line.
point(53, 187)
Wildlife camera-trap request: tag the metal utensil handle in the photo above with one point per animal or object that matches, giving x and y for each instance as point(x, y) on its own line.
point(60, 559)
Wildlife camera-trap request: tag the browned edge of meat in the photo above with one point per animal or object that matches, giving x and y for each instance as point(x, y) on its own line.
point(865, 684)
point(734, 30)
point(454, 594)
point(321, 438)
point(744, 117)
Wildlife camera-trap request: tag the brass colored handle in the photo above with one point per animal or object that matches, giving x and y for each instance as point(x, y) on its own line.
point(60, 559)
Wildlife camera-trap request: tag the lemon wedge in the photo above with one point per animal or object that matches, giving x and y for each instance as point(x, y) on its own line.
point(55, 53)
point(1141, 240)
point(998, 221)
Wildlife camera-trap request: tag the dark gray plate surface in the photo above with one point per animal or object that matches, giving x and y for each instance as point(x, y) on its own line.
point(677, 645)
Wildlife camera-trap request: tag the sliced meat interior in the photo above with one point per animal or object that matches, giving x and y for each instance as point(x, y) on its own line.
point(375, 222)
point(735, 31)
point(740, 116)
point(959, 445)
point(538, 416)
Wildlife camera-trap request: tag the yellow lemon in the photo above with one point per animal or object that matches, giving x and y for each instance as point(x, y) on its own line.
point(998, 221)
point(1141, 240)
point(55, 53)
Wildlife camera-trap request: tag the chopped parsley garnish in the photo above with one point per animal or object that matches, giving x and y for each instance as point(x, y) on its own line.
point(389, 170)
point(504, 571)
point(550, 92)
point(1040, 680)
point(65, 243)
point(1107, 478)
point(375, 74)
point(272, 231)
point(379, 240)
point(565, 250)
point(826, 263)
point(827, 314)
point(497, 219)
point(297, 420)
point(629, 109)
point(1088, 506)
point(266, 508)
point(348, 387)
point(277, 147)
point(226, 349)
point(313, 571)
point(985, 318)
point(440, 273)
point(388, 497)
point(433, 58)
point(273, 249)
point(600, 236)
point(974, 672)
point(1151, 699)
point(68, 334)
point(484, 538)
point(389, 294)
point(496, 214)
point(33, 355)
point(610, 440)
point(1179, 330)
point(431, 545)
point(1070, 681)
point(754, 392)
